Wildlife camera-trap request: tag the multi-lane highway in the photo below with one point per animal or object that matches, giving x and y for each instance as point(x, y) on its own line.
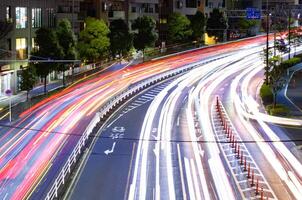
point(165, 143)
point(180, 150)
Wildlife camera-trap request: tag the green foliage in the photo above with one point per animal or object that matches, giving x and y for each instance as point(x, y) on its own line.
point(28, 79)
point(298, 56)
point(145, 34)
point(179, 29)
point(247, 24)
point(94, 41)
point(266, 94)
point(48, 49)
point(276, 81)
point(216, 24)
point(198, 22)
point(67, 41)
point(121, 40)
point(289, 63)
point(266, 56)
point(277, 110)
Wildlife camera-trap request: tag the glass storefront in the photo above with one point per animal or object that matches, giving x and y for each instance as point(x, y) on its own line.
point(5, 83)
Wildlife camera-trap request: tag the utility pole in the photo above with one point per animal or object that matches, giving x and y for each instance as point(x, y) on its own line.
point(267, 44)
point(289, 19)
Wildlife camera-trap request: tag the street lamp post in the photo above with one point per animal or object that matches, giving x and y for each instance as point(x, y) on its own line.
point(267, 44)
point(289, 19)
point(8, 93)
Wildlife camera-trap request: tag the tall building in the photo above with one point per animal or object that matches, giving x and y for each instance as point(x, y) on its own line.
point(19, 20)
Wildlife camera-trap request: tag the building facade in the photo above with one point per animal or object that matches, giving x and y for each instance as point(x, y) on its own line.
point(19, 20)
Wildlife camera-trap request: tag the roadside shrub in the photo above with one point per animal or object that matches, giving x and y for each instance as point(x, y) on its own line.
point(266, 94)
point(299, 56)
point(289, 63)
point(279, 110)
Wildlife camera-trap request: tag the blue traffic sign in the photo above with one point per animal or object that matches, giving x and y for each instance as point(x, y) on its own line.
point(253, 13)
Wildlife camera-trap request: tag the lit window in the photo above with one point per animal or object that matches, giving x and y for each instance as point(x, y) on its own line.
point(21, 48)
point(8, 13)
point(36, 17)
point(21, 17)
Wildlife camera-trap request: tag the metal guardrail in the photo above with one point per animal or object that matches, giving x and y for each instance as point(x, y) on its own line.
point(114, 101)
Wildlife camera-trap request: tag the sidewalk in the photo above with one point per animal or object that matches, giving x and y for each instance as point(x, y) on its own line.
point(291, 94)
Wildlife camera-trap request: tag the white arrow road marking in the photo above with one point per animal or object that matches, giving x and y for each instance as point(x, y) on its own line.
point(111, 150)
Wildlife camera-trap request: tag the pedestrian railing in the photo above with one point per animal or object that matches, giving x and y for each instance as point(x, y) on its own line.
point(102, 114)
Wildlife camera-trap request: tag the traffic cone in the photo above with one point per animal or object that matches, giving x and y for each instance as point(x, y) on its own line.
point(249, 171)
point(257, 187)
point(253, 178)
point(262, 195)
point(244, 163)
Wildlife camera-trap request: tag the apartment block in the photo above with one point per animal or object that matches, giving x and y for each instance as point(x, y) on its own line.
point(19, 20)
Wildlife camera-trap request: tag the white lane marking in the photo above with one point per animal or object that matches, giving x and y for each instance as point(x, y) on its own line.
point(184, 194)
point(157, 186)
point(189, 179)
point(196, 185)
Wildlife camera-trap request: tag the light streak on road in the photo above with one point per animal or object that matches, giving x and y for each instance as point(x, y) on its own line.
point(51, 127)
point(292, 181)
point(222, 184)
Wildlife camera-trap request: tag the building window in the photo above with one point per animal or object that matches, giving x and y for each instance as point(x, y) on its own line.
point(8, 15)
point(133, 9)
point(21, 17)
point(156, 8)
point(210, 4)
point(9, 44)
point(50, 17)
point(191, 3)
point(21, 48)
point(36, 17)
point(110, 14)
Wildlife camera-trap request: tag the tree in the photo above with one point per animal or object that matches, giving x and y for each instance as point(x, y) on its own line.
point(28, 79)
point(216, 25)
point(179, 29)
point(67, 42)
point(47, 49)
point(248, 25)
point(267, 68)
point(145, 35)
point(198, 22)
point(276, 80)
point(94, 41)
point(121, 40)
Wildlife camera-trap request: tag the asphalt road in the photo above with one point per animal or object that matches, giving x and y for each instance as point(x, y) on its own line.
point(170, 153)
point(34, 147)
point(122, 131)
